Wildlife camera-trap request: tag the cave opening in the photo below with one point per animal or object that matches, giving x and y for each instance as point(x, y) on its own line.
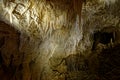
point(103, 38)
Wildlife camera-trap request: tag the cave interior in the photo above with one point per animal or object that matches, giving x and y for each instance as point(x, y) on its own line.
point(27, 53)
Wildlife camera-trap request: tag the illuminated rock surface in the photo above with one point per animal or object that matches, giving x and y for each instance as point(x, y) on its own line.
point(45, 40)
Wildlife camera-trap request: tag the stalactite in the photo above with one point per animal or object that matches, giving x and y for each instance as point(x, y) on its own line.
point(77, 4)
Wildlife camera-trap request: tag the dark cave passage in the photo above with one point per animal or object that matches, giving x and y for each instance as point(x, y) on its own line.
point(103, 38)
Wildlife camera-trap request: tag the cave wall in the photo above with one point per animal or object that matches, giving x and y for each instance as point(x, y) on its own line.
point(10, 56)
point(55, 37)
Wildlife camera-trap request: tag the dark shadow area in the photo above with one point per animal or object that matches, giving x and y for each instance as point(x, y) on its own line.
point(109, 64)
point(103, 38)
point(9, 50)
point(108, 68)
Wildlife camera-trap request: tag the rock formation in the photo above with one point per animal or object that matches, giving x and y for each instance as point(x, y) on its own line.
point(53, 39)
